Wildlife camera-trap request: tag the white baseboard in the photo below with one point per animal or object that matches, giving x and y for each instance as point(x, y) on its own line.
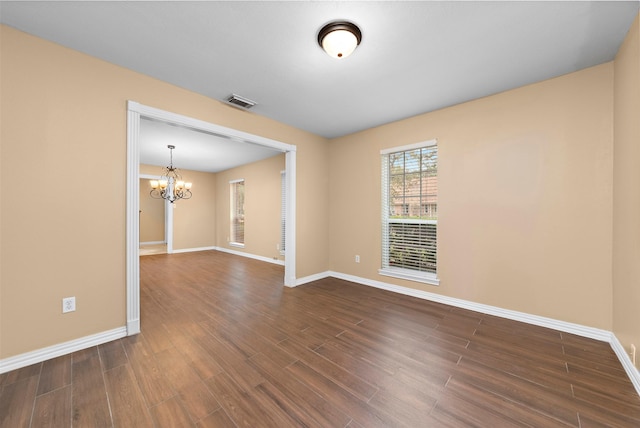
point(230, 251)
point(191, 250)
point(590, 332)
point(314, 277)
point(249, 255)
point(33, 357)
point(632, 372)
point(39, 355)
point(142, 244)
point(567, 327)
point(133, 327)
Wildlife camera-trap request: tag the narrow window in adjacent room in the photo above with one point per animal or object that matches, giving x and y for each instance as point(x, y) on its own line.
point(236, 190)
point(409, 212)
point(283, 210)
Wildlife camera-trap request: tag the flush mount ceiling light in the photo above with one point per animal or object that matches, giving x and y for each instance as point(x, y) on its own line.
point(339, 39)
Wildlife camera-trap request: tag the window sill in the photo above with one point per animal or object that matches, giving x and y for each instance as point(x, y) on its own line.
point(236, 244)
point(425, 278)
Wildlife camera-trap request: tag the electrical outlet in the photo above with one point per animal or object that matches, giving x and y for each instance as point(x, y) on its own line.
point(68, 304)
point(357, 258)
point(632, 354)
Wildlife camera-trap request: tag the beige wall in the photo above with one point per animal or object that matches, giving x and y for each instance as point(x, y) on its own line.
point(194, 220)
point(626, 196)
point(262, 206)
point(61, 107)
point(151, 215)
point(525, 198)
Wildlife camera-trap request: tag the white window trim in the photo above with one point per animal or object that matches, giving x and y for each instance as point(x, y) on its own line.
point(422, 145)
point(394, 272)
point(411, 221)
point(411, 275)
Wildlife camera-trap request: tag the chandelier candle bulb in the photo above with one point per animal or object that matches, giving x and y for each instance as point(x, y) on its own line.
point(154, 184)
point(187, 186)
point(163, 184)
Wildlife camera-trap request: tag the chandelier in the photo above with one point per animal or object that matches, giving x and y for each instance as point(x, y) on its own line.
point(170, 186)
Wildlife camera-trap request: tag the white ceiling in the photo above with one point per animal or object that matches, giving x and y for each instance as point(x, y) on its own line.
point(414, 57)
point(195, 150)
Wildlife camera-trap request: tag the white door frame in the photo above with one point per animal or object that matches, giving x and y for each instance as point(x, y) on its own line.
point(134, 112)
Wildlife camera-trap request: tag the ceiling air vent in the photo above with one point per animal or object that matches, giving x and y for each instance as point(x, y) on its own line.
point(241, 102)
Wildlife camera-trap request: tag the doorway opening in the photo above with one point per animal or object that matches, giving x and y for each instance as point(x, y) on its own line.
point(155, 221)
point(135, 112)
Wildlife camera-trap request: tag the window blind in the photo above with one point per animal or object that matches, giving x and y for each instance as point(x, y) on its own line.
point(409, 211)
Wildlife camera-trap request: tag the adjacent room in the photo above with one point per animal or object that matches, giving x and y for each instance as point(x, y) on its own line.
point(336, 214)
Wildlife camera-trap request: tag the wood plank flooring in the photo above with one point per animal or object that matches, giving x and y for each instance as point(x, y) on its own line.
point(224, 344)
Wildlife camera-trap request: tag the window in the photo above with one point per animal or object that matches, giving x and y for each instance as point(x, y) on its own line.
point(283, 210)
point(236, 190)
point(410, 212)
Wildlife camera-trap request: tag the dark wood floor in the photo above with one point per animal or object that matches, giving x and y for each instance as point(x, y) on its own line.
point(223, 344)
